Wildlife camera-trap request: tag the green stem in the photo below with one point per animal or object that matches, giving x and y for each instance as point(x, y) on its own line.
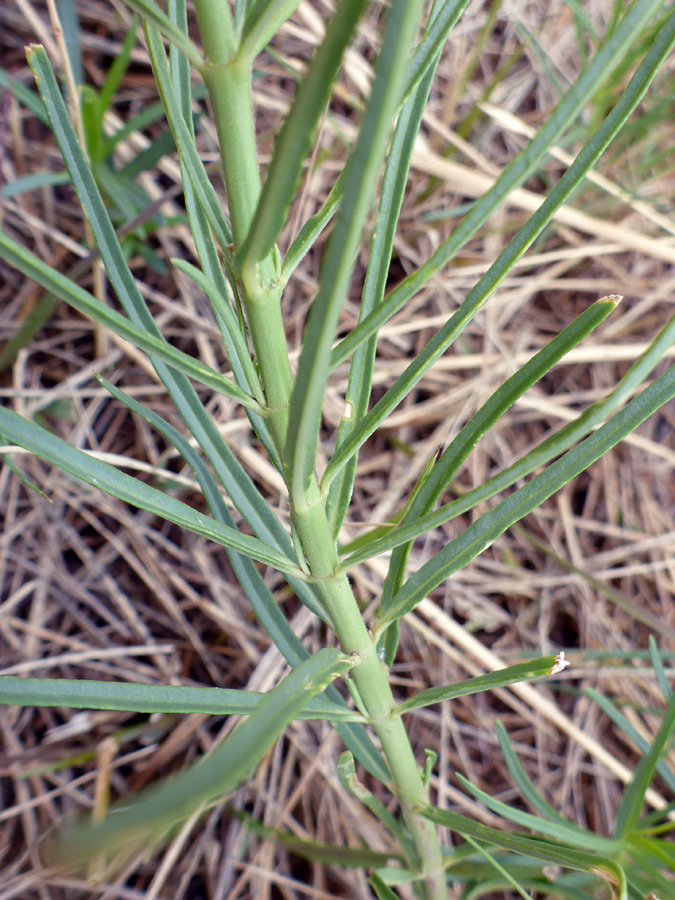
point(371, 681)
point(228, 80)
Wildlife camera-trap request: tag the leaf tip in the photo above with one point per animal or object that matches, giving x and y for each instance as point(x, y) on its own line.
point(560, 663)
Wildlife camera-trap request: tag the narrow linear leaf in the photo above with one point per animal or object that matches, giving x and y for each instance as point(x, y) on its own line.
point(222, 306)
point(520, 168)
point(150, 698)
point(521, 779)
point(328, 854)
point(297, 134)
point(154, 345)
point(159, 807)
point(491, 411)
point(605, 868)
point(150, 12)
point(185, 144)
point(441, 22)
point(634, 795)
point(552, 446)
point(657, 665)
point(338, 263)
point(563, 831)
point(359, 384)
point(430, 488)
point(264, 19)
point(482, 290)
point(47, 446)
point(536, 668)
point(478, 536)
point(632, 733)
point(217, 504)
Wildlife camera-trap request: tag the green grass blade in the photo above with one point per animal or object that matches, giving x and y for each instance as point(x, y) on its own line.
point(536, 668)
point(47, 446)
point(224, 768)
point(478, 536)
point(149, 341)
point(262, 22)
point(78, 693)
point(602, 867)
point(520, 168)
point(336, 271)
point(360, 380)
point(490, 413)
point(634, 795)
point(551, 447)
point(185, 144)
point(563, 831)
point(296, 136)
point(153, 14)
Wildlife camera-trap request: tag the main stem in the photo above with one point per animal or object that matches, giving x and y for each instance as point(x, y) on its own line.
point(228, 80)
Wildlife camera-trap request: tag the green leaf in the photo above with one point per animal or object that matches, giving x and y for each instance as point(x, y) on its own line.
point(262, 22)
point(328, 854)
point(602, 867)
point(478, 536)
point(659, 671)
point(151, 342)
point(150, 698)
point(153, 14)
point(559, 830)
point(336, 271)
point(520, 168)
point(536, 668)
point(360, 380)
point(482, 290)
point(552, 446)
point(632, 733)
point(491, 411)
point(441, 22)
point(185, 144)
point(297, 134)
point(634, 795)
point(521, 780)
point(115, 73)
point(161, 806)
point(225, 314)
point(47, 446)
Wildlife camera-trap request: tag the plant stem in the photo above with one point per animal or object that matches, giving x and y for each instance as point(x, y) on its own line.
point(228, 80)
point(370, 678)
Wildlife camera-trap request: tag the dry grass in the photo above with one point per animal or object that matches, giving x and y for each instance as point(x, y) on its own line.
point(93, 589)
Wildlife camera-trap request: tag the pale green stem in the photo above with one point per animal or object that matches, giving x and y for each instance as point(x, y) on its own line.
point(228, 80)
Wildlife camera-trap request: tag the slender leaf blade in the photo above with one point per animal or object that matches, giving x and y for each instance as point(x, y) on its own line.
point(93, 471)
point(149, 341)
point(536, 668)
point(159, 807)
point(307, 397)
point(478, 536)
point(80, 693)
